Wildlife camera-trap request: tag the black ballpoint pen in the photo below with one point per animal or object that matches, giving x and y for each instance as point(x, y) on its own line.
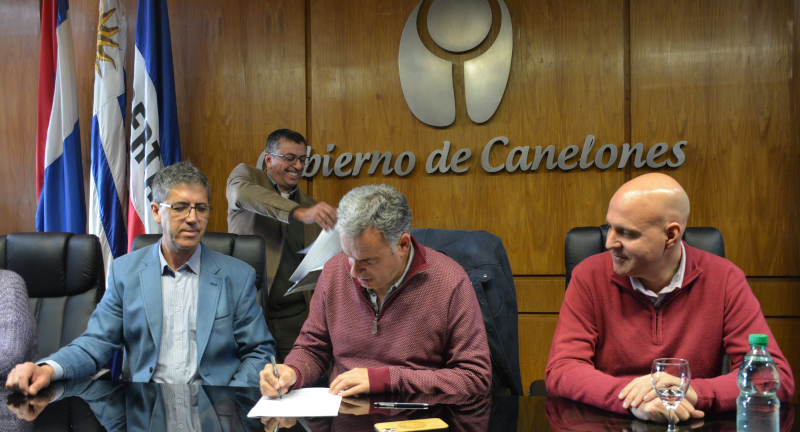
point(275, 370)
point(401, 405)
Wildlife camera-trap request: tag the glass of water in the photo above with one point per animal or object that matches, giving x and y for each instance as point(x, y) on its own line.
point(671, 381)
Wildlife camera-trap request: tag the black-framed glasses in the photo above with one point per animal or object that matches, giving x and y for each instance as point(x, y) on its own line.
point(291, 159)
point(182, 210)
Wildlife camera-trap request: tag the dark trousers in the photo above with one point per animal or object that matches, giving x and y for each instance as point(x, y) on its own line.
point(285, 332)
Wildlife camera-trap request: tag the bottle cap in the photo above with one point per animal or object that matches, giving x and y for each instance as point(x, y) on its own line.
point(759, 339)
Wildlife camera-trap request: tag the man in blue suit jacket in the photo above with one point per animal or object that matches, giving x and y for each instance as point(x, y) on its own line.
point(184, 313)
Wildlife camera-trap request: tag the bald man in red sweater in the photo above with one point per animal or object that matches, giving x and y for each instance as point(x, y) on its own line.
point(650, 296)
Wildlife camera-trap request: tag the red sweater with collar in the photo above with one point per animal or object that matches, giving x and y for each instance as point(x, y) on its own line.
point(608, 334)
point(430, 333)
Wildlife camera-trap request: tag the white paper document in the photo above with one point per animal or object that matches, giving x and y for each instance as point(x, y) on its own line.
point(324, 248)
point(307, 402)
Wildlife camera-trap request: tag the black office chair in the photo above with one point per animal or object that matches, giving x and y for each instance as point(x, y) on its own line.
point(248, 248)
point(484, 258)
point(65, 278)
point(583, 242)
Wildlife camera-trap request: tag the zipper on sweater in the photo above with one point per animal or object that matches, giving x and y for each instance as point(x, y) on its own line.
point(657, 310)
point(383, 306)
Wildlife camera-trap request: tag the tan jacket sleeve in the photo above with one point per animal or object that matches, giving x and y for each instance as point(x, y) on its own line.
point(249, 189)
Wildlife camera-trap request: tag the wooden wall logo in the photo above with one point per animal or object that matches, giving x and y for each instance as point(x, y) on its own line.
point(427, 80)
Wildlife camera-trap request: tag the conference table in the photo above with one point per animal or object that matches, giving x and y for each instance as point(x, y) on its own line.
point(108, 406)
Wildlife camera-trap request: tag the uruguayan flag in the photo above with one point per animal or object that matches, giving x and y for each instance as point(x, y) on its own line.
point(109, 184)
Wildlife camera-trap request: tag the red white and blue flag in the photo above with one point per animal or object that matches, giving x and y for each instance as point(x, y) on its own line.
point(155, 142)
point(59, 173)
point(108, 197)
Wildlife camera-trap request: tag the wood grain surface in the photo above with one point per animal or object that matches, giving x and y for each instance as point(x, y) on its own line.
point(718, 74)
point(19, 27)
point(535, 346)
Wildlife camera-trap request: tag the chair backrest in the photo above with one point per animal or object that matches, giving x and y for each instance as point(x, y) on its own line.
point(583, 242)
point(65, 278)
point(484, 258)
point(247, 248)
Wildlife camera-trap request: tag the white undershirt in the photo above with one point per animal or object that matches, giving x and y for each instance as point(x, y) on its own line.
point(674, 284)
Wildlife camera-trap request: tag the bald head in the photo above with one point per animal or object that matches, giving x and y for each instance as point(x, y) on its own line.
point(647, 218)
point(660, 199)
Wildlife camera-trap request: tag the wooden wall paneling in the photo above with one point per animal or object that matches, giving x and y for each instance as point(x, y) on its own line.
point(795, 85)
point(566, 82)
point(718, 75)
point(787, 335)
point(19, 30)
point(779, 297)
point(539, 294)
point(534, 348)
point(239, 75)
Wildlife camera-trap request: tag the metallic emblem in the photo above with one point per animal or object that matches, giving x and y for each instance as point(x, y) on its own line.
point(485, 77)
point(459, 25)
point(427, 80)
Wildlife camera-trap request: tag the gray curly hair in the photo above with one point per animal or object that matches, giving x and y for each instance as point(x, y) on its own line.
point(176, 174)
point(374, 206)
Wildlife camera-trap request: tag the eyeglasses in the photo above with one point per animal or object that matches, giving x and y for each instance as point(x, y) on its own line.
point(201, 211)
point(291, 159)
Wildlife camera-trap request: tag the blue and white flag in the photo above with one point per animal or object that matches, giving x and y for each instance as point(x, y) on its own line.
point(155, 142)
point(59, 173)
point(108, 198)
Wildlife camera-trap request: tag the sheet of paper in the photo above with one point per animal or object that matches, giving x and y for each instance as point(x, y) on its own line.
point(324, 248)
point(308, 282)
point(307, 402)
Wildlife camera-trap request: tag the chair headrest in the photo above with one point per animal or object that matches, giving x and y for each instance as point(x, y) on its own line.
point(247, 248)
point(55, 264)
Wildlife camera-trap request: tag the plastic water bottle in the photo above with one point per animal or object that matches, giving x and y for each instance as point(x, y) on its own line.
point(757, 407)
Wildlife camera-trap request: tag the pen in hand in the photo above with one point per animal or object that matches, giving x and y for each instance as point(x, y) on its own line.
point(275, 370)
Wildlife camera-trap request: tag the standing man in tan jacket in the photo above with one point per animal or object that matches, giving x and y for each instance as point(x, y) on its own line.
point(269, 204)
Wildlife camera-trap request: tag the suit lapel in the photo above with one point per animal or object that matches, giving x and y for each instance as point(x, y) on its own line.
point(208, 291)
point(150, 282)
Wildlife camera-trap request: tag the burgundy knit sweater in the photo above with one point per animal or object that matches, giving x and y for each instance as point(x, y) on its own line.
point(430, 334)
point(608, 334)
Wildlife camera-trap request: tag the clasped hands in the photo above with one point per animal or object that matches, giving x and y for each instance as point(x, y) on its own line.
point(640, 397)
point(350, 383)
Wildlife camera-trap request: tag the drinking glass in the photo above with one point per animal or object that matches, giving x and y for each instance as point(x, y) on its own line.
point(671, 381)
